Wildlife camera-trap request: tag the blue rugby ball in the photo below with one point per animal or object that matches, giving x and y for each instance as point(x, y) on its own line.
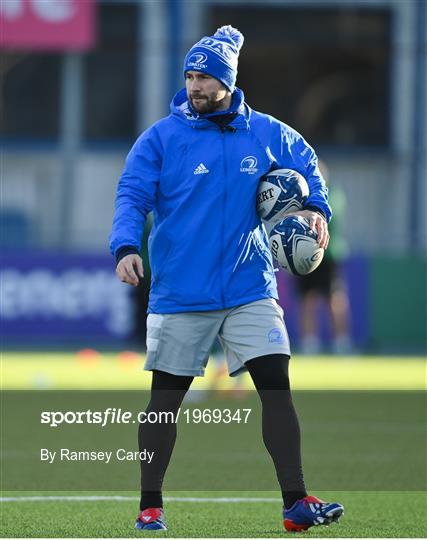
point(280, 192)
point(294, 246)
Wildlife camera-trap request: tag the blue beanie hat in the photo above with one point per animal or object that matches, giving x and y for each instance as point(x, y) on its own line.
point(217, 55)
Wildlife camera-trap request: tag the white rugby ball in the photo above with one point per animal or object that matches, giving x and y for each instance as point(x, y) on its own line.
point(280, 192)
point(294, 246)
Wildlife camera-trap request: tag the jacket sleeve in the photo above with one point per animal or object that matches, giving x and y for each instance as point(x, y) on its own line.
point(136, 191)
point(305, 162)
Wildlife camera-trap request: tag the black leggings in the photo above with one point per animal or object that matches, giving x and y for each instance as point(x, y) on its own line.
point(167, 393)
point(280, 427)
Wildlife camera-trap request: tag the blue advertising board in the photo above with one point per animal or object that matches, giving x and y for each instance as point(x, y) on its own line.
point(55, 298)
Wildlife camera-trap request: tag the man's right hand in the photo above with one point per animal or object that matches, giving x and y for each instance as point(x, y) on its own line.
point(130, 269)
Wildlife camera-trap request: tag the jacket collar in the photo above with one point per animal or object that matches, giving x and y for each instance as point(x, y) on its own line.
point(181, 107)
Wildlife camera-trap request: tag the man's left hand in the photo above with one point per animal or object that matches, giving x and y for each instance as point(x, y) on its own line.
point(317, 224)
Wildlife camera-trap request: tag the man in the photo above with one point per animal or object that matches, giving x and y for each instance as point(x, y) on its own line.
point(212, 274)
point(326, 284)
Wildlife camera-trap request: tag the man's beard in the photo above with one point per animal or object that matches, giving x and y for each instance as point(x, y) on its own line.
point(205, 104)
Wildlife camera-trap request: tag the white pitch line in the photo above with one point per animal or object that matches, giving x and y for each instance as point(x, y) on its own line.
point(48, 498)
point(222, 499)
point(93, 498)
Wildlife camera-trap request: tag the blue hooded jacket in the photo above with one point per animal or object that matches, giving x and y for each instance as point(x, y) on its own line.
point(208, 248)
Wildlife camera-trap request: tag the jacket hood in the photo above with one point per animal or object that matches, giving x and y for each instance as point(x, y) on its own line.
point(180, 107)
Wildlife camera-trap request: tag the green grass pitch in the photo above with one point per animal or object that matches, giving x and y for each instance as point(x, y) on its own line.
point(367, 514)
point(364, 437)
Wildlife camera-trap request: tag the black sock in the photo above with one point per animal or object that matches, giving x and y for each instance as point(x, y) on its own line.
point(151, 499)
point(167, 393)
point(291, 497)
point(280, 427)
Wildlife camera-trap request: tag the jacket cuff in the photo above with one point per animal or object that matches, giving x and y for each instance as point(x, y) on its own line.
point(315, 209)
point(125, 250)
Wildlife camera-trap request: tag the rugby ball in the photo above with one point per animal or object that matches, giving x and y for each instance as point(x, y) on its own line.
point(280, 192)
point(294, 246)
